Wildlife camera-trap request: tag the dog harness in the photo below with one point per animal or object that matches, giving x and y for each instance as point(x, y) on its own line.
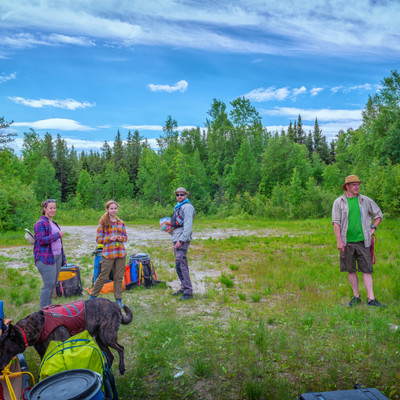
point(71, 315)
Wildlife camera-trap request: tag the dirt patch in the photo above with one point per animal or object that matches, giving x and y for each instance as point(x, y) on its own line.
point(80, 241)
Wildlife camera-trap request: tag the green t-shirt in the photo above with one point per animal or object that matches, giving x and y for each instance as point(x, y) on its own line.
point(354, 231)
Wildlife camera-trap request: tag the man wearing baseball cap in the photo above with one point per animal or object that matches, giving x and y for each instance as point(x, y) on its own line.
point(352, 214)
point(181, 235)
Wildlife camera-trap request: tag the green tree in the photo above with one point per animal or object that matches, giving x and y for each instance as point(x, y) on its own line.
point(170, 136)
point(320, 143)
point(118, 155)
point(124, 189)
point(85, 189)
point(245, 172)
point(6, 136)
point(32, 153)
point(134, 146)
point(278, 162)
point(48, 148)
point(45, 184)
point(381, 120)
point(153, 181)
point(62, 166)
point(218, 134)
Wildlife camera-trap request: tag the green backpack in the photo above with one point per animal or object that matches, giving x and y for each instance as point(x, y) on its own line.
point(79, 351)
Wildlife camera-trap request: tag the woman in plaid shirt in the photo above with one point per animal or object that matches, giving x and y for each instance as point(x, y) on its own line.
point(48, 250)
point(111, 232)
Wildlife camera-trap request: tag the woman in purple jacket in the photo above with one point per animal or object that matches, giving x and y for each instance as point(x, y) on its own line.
point(48, 251)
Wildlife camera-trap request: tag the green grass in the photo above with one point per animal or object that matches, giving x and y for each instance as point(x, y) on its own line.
point(271, 324)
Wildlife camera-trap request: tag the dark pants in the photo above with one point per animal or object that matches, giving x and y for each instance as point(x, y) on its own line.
point(182, 267)
point(356, 257)
point(50, 277)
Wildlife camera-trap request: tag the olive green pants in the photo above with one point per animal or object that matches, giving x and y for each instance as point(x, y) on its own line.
point(107, 264)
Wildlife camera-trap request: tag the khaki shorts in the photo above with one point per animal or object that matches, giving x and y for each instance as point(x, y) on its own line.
point(356, 252)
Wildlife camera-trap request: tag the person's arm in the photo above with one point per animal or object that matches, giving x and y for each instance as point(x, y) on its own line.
point(377, 221)
point(123, 237)
point(340, 244)
point(40, 234)
point(100, 236)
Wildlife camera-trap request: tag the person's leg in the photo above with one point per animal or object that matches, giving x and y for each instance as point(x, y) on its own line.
point(178, 268)
point(119, 271)
point(369, 285)
point(183, 268)
point(106, 266)
point(58, 264)
point(353, 279)
point(364, 262)
point(49, 277)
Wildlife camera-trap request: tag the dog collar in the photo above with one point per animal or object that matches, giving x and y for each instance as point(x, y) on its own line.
point(24, 336)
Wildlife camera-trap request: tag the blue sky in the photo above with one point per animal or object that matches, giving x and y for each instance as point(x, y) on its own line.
point(85, 69)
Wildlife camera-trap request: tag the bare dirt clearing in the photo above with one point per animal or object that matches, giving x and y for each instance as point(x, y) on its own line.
point(80, 241)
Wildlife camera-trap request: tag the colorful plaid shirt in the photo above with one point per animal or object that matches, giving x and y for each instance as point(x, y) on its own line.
point(43, 239)
point(112, 249)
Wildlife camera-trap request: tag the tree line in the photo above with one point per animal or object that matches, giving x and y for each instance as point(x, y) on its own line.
point(232, 166)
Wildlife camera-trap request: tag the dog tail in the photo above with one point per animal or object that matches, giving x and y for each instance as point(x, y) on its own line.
point(127, 318)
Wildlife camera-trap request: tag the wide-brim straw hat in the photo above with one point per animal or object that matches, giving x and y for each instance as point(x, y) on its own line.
point(181, 190)
point(350, 179)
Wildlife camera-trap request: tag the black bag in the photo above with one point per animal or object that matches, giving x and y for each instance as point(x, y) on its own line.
point(69, 282)
point(357, 394)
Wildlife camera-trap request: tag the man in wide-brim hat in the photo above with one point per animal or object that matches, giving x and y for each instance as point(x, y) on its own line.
point(352, 214)
point(181, 235)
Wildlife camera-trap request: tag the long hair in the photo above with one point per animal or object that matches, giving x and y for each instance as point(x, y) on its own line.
point(105, 219)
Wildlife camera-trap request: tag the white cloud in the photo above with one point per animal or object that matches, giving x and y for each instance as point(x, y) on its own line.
point(315, 91)
point(367, 87)
point(311, 114)
point(271, 93)
point(336, 89)
point(299, 91)
point(178, 86)
point(144, 127)
point(309, 27)
point(5, 78)
point(268, 94)
point(67, 104)
point(157, 127)
point(61, 124)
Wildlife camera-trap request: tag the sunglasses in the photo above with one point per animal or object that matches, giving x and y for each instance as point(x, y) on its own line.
point(180, 194)
point(51, 200)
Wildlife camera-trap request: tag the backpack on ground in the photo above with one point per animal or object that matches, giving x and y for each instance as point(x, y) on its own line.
point(78, 352)
point(142, 271)
point(98, 251)
point(69, 281)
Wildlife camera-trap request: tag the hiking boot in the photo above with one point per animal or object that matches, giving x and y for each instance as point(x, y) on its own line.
point(119, 302)
point(186, 297)
point(180, 291)
point(375, 303)
point(354, 301)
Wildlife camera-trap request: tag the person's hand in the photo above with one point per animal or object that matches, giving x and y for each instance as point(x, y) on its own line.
point(62, 233)
point(113, 238)
point(340, 246)
point(168, 229)
point(177, 244)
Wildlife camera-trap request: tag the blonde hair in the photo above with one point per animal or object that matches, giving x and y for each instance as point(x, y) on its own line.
point(105, 221)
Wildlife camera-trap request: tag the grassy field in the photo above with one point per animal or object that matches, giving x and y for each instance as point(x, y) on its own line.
point(271, 323)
